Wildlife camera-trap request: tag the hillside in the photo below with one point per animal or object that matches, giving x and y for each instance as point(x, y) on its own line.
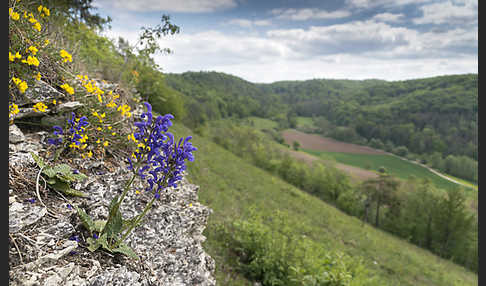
point(120, 174)
point(230, 195)
point(433, 120)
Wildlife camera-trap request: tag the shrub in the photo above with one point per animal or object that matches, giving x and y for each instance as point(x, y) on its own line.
point(271, 252)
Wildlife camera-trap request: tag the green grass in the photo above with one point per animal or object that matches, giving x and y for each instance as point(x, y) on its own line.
point(262, 123)
point(394, 165)
point(229, 186)
point(305, 122)
point(468, 183)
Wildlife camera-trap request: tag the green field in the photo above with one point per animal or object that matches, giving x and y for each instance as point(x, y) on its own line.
point(394, 165)
point(230, 186)
point(305, 123)
point(262, 123)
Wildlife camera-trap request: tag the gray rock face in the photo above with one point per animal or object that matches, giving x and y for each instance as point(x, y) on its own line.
point(168, 242)
point(15, 135)
point(40, 92)
point(68, 106)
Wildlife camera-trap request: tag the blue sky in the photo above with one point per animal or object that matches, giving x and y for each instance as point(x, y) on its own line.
point(267, 41)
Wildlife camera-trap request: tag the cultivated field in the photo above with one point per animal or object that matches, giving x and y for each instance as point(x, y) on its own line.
point(319, 143)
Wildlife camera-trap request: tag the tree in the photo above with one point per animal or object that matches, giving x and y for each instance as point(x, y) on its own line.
point(381, 191)
point(296, 145)
point(454, 221)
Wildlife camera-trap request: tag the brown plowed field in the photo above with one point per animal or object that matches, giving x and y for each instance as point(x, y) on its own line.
point(316, 142)
point(357, 174)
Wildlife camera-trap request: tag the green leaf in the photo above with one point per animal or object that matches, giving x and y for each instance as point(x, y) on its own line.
point(51, 181)
point(99, 225)
point(65, 173)
point(40, 162)
point(102, 240)
point(93, 244)
point(66, 189)
point(50, 172)
point(125, 249)
point(86, 220)
point(115, 222)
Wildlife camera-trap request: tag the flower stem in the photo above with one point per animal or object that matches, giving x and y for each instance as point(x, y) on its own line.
point(135, 223)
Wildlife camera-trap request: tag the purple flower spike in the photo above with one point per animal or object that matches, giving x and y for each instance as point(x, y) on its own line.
point(163, 161)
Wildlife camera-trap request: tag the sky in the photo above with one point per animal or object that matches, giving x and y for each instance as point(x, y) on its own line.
point(267, 41)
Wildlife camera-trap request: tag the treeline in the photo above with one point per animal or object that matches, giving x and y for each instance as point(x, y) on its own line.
point(413, 118)
point(434, 219)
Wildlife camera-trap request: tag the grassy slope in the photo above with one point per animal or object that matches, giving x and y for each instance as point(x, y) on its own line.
point(230, 186)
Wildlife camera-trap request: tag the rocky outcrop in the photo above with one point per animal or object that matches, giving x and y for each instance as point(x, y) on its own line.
point(47, 239)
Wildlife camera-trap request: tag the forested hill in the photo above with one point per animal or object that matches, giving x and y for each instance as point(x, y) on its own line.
point(431, 118)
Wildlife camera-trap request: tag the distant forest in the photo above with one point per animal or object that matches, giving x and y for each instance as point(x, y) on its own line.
point(433, 120)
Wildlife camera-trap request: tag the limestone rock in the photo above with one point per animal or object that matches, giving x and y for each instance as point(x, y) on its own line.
point(15, 135)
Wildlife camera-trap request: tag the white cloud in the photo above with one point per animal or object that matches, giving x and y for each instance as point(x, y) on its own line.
point(188, 6)
point(386, 3)
point(388, 17)
point(353, 37)
point(249, 23)
point(307, 14)
point(280, 57)
point(354, 50)
point(458, 12)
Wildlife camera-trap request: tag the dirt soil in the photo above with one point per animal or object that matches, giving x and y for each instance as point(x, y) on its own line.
point(316, 142)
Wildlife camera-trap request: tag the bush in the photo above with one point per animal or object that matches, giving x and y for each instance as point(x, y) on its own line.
point(401, 151)
point(270, 251)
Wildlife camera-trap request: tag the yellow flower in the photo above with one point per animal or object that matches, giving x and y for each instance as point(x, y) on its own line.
point(16, 80)
point(113, 133)
point(124, 110)
point(46, 11)
point(22, 85)
point(38, 77)
point(54, 102)
point(40, 107)
point(14, 15)
point(17, 55)
point(190, 205)
point(66, 56)
point(109, 127)
point(39, 8)
point(137, 192)
point(33, 50)
point(46, 42)
point(111, 104)
point(131, 137)
point(13, 109)
point(11, 57)
point(98, 141)
point(31, 61)
point(37, 26)
point(99, 128)
point(83, 139)
point(67, 88)
point(90, 154)
point(99, 99)
point(105, 143)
